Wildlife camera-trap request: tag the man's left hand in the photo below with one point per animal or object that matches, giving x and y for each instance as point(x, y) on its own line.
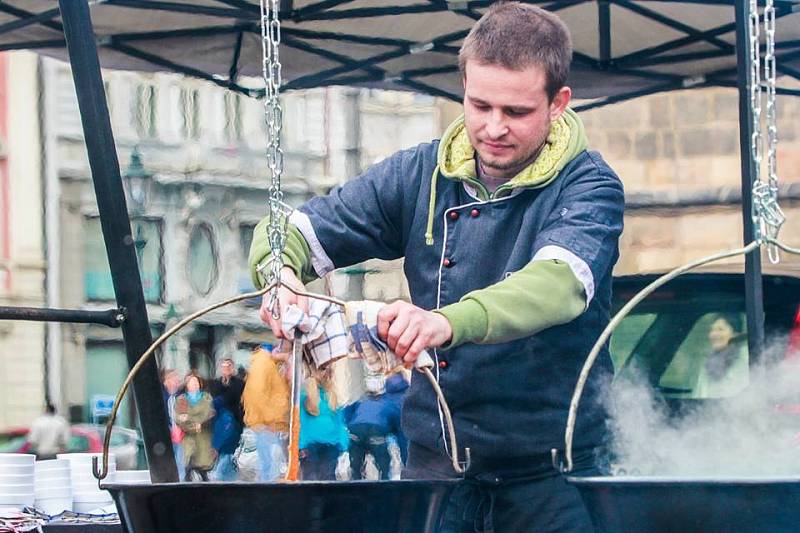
point(409, 329)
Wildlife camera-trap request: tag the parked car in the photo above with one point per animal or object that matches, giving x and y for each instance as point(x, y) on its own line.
point(668, 338)
point(84, 438)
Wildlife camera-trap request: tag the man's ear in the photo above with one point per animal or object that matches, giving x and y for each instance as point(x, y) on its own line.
point(560, 103)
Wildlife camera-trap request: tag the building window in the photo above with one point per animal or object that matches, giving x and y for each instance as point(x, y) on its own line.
point(97, 283)
point(233, 117)
point(202, 264)
point(145, 111)
point(244, 283)
point(190, 102)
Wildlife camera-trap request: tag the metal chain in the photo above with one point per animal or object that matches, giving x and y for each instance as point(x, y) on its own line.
point(772, 211)
point(767, 215)
point(271, 71)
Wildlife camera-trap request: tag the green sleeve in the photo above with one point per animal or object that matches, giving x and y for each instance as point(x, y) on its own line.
point(541, 295)
point(296, 253)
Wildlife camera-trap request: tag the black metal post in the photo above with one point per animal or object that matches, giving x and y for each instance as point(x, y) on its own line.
point(754, 295)
point(112, 318)
point(117, 234)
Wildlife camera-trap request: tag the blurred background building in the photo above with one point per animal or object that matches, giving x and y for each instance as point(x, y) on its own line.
point(192, 157)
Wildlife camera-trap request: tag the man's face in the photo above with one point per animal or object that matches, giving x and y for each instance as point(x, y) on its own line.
point(226, 369)
point(507, 115)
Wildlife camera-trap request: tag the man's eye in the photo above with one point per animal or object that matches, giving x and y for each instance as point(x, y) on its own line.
point(517, 112)
point(481, 107)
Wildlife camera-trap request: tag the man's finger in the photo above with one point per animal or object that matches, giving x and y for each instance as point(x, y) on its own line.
point(407, 338)
point(396, 330)
point(413, 353)
point(385, 317)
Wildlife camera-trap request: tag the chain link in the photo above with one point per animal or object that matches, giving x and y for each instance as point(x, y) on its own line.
point(273, 115)
point(767, 214)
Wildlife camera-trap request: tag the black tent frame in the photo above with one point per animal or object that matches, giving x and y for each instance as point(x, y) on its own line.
point(81, 44)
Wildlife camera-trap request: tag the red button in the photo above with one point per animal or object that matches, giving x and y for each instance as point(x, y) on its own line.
point(474, 213)
point(453, 215)
point(447, 263)
point(443, 364)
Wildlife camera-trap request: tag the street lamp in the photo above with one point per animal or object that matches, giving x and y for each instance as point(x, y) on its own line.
point(138, 182)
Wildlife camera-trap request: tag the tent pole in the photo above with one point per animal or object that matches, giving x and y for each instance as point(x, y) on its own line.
point(754, 297)
point(117, 234)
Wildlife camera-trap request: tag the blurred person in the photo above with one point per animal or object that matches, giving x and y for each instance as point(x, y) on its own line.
point(49, 434)
point(266, 404)
point(227, 392)
point(194, 411)
point(372, 420)
point(171, 387)
point(323, 432)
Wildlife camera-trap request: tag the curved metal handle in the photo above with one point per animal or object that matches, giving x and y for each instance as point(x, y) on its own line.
point(101, 472)
point(612, 325)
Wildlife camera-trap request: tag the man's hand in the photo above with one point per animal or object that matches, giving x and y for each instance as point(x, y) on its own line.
point(409, 329)
point(285, 299)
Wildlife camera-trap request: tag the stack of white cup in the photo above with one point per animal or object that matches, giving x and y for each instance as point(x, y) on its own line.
point(53, 486)
point(132, 477)
point(86, 495)
point(16, 480)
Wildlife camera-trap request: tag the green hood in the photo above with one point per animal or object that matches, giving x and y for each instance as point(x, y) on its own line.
point(456, 160)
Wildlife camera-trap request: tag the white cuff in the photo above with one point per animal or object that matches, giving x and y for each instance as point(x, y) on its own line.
point(578, 266)
point(319, 259)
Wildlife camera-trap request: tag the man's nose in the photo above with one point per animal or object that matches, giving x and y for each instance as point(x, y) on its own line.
point(496, 126)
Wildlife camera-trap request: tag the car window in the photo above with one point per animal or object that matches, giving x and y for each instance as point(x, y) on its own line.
point(77, 444)
point(693, 347)
point(13, 444)
point(118, 439)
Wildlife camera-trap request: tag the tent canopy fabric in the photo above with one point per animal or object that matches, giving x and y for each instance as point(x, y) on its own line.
point(623, 48)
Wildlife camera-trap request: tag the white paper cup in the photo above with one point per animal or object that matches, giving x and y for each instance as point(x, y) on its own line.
point(14, 479)
point(52, 464)
point(131, 476)
point(85, 457)
point(53, 506)
point(52, 492)
point(101, 497)
point(52, 473)
point(88, 507)
point(17, 488)
point(16, 500)
point(16, 470)
point(17, 459)
point(53, 482)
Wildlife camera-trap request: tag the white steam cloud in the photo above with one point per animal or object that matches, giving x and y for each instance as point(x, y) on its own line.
point(753, 434)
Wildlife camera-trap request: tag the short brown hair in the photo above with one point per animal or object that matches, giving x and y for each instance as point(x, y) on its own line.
point(515, 36)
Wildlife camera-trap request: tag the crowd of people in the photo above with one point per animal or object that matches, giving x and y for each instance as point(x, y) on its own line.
point(215, 424)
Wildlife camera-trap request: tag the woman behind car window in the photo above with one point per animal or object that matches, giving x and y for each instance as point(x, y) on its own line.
point(725, 371)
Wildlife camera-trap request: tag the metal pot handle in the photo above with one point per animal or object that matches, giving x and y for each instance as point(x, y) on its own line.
point(101, 473)
point(617, 319)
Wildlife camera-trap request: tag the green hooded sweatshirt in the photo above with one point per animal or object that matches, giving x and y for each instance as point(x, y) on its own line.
point(542, 294)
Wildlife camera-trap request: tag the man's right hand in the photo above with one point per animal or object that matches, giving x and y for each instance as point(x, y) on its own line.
point(285, 299)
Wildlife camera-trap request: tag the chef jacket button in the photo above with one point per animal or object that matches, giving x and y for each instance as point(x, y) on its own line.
point(453, 215)
point(447, 263)
point(474, 213)
point(443, 364)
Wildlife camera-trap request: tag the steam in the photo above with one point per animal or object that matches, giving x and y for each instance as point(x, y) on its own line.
point(753, 434)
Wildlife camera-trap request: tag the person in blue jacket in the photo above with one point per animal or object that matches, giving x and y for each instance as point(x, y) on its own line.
point(509, 226)
point(323, 433)
point(372, 420)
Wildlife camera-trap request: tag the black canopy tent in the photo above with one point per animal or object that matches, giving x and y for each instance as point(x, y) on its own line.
point(623, 49)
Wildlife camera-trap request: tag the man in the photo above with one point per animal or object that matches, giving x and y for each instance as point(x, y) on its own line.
point(49, 434)
point(509, 228)
point(227, 392)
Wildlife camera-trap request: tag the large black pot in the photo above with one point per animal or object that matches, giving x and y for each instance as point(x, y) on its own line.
point(680, 505)
point(324, 506)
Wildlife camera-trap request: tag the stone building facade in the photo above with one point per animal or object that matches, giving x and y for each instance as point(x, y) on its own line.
point(22, 269)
